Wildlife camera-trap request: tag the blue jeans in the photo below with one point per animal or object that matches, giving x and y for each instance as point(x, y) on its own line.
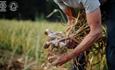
point(110, 49)
point(81, 60)
point(110, 54)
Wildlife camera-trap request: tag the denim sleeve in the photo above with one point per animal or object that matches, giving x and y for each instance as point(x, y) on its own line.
point(90, 5)
point(61, 4)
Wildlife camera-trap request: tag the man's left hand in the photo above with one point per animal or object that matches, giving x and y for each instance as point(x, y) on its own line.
point(59, 60)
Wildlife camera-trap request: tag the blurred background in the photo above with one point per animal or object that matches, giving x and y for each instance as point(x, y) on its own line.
point(30, 10)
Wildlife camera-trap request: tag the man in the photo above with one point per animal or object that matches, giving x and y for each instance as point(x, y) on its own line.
point(93, 15)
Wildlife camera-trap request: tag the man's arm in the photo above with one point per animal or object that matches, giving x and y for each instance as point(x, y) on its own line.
point(68, 13)
point(67, 10)
point(94, 22)
point(70, 19)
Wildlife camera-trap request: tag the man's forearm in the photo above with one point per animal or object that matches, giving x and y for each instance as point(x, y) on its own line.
point(69, 15)
point(85, 44)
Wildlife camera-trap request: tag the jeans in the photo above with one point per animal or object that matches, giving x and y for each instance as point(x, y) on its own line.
point(110, 49)
point(110, 54)
point(81, 60)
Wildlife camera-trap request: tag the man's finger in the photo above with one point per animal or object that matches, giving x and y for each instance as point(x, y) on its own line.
point(52, 58)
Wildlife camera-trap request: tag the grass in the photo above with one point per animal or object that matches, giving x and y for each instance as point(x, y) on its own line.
point(25, 37)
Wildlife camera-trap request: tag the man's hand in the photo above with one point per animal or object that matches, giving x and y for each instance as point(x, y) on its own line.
point(59, 60)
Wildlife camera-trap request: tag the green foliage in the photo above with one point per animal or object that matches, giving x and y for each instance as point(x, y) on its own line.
point(25, 37)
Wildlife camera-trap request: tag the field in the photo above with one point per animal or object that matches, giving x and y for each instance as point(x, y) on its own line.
point(23, 41)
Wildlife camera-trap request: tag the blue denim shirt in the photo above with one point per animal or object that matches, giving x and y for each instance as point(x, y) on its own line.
point(88, 5)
